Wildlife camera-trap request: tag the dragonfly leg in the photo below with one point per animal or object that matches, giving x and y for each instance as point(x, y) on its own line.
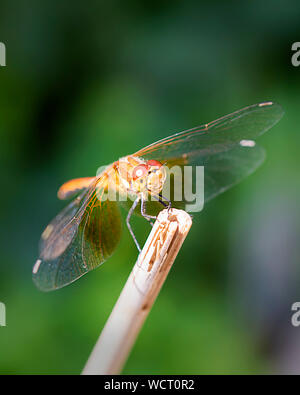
point(167, 204)
point(133, 207)
point(144, 214)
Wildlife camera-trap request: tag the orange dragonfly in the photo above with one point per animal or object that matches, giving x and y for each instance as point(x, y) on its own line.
point(87, 231)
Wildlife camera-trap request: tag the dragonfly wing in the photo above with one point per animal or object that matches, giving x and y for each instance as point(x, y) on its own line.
point(72, 187)
point(78, 240)
point(225, 169)
point(224, 147)
point(221, 171)
point(217, 136)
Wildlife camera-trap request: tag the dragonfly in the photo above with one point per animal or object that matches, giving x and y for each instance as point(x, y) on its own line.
point(87, 231)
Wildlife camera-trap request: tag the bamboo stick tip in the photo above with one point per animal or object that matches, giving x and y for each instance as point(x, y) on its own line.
point(139, 293)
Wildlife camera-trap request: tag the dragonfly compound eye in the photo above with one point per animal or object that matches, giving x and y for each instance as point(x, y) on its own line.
point(140, 171)
point(154, 163)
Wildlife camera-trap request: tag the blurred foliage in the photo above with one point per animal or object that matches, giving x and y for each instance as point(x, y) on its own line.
point(88, 82)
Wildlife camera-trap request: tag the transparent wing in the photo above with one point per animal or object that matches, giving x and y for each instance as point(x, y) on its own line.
point(220, 146)
point(225, 169)
point(221, 171)
point(217, 136)
point(78, 240)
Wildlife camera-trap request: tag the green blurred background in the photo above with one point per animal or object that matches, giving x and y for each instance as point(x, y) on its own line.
point(88, 82)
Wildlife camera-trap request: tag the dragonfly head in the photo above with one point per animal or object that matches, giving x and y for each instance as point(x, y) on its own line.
point(149, 177)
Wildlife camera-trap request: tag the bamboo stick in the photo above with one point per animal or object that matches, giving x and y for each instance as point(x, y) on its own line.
point(139, 293)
